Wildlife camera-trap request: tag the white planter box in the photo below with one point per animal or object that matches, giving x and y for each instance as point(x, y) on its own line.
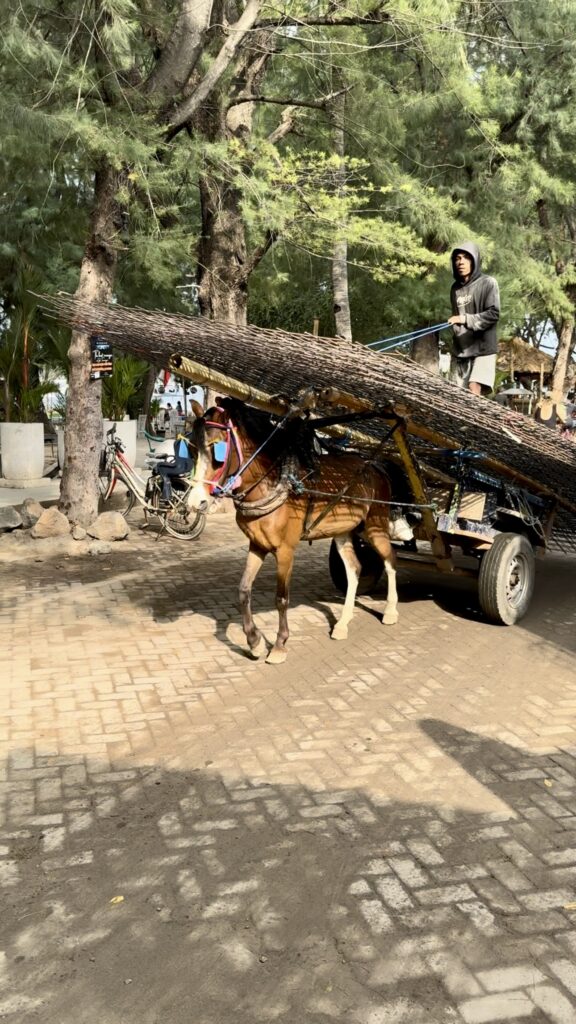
point(126, 431)
point(22, 447)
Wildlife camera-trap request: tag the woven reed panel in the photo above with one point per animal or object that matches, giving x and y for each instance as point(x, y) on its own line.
point(283, 363)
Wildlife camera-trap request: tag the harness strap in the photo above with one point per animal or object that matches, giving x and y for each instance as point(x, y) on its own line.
point(308, 527)
point(277, 497)
point(262, 507)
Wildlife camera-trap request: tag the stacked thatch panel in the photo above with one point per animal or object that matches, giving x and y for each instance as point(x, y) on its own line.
point(282, 363)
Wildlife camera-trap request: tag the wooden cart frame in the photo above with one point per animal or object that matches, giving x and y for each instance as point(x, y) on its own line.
point(503, 507)
point(501, 519)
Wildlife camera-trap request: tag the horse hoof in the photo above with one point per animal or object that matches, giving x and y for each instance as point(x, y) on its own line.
point(390, 618)
point(260, 650)
point(276, 657)
point(339, 632)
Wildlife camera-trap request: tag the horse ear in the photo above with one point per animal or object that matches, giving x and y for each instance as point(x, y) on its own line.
point(225, 403)
point(197, 409)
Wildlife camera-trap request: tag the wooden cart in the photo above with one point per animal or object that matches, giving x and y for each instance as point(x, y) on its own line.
point(489, 484)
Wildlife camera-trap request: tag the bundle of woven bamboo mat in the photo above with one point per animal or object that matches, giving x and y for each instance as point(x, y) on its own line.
point(282, 363)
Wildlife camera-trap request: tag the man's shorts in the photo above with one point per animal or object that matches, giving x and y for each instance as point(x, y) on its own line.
point(478, 370)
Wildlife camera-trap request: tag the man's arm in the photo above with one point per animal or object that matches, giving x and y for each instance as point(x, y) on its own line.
point(491, 312)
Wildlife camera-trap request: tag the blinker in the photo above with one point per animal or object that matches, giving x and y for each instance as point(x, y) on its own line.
point(219, 451)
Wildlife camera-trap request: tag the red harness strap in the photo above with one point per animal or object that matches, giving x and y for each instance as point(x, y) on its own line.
point(232, 439)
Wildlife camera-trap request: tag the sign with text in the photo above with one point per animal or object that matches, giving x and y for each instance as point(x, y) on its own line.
point(102, 358)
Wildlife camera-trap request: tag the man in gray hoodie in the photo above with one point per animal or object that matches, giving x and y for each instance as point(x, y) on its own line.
point(475, 303)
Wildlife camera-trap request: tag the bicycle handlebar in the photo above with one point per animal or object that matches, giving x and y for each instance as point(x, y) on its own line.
point(113, 439)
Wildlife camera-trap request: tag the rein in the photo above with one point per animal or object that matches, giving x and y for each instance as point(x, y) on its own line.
point(234, 481)
point(289, 481)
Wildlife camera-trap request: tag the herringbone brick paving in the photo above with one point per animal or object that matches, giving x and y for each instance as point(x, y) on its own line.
point(381, 831)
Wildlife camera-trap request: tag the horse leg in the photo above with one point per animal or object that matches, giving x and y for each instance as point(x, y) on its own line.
point(352, 565)
point(256, 641)
point(284, 564)
point(380, 541)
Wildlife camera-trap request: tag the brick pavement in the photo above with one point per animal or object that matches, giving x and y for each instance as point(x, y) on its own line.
point(380, 831)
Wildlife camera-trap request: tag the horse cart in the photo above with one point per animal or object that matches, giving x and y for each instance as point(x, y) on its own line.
point(485, 491)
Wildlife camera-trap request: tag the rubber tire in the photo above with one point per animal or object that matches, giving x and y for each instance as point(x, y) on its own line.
point(117, 502)
point(494, 577)
point(179, 527)
point(186, 530)
point(372, 566)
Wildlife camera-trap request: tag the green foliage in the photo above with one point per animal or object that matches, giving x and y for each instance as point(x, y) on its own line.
point(23, 368)
point(122, 390)
point(459, 122)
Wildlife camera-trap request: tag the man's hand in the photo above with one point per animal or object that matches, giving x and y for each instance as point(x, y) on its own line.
point(457, 320)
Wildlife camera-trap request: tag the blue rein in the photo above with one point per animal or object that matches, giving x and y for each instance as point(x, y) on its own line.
point(401, 339)
point(228, 487)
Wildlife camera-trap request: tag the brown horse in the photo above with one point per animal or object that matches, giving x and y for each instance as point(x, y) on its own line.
point(233, 437)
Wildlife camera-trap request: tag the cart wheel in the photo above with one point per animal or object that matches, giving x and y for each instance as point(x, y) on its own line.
point(372, 566)
point(506, 579)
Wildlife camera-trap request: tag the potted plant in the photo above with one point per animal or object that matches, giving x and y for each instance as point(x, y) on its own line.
point(154, 412)
point(25, 383)
point(120, 397)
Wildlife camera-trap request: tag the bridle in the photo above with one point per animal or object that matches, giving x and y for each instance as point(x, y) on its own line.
point(232, 481)
point(223, 483)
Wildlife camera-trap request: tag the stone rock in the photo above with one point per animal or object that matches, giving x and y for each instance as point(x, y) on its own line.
point(109, 526)
point(10, 518)
point(15, 541)
point(99, 547)
point(51, 523)
point(54, 547)
point(78, 532)
point(30, 510)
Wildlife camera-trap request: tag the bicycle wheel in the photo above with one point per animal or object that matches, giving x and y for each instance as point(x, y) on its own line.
point(184, 524)
point(103, 487)
point(120, 500)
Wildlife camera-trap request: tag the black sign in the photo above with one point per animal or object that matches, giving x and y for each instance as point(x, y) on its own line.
point(102, 358)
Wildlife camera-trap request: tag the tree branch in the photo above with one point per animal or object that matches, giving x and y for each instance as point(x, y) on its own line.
point(285, 126)
point(182, 50)
point(259, 252)
point(221, 62)
point(282, 101)
point(375, 17)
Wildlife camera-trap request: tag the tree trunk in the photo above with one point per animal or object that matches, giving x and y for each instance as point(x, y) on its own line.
point(426, 352)
point(223, 262)
point(222, 256)
point(148, 394)
point(83, 432)
point(340, 252)
point(560, 369)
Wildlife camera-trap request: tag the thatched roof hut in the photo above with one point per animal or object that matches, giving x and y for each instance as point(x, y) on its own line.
point(517, 356)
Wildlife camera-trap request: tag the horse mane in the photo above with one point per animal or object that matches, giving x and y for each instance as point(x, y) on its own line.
point(295, 438)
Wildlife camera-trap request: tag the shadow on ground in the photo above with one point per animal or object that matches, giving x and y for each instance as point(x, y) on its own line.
point(172, 578)
point(161, 896)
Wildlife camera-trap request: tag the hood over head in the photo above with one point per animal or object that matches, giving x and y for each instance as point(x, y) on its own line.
point(472, 250)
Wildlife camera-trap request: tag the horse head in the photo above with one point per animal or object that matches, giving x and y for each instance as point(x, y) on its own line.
point(218, 449)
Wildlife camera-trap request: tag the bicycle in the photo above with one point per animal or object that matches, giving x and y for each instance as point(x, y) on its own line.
point(176, 518)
